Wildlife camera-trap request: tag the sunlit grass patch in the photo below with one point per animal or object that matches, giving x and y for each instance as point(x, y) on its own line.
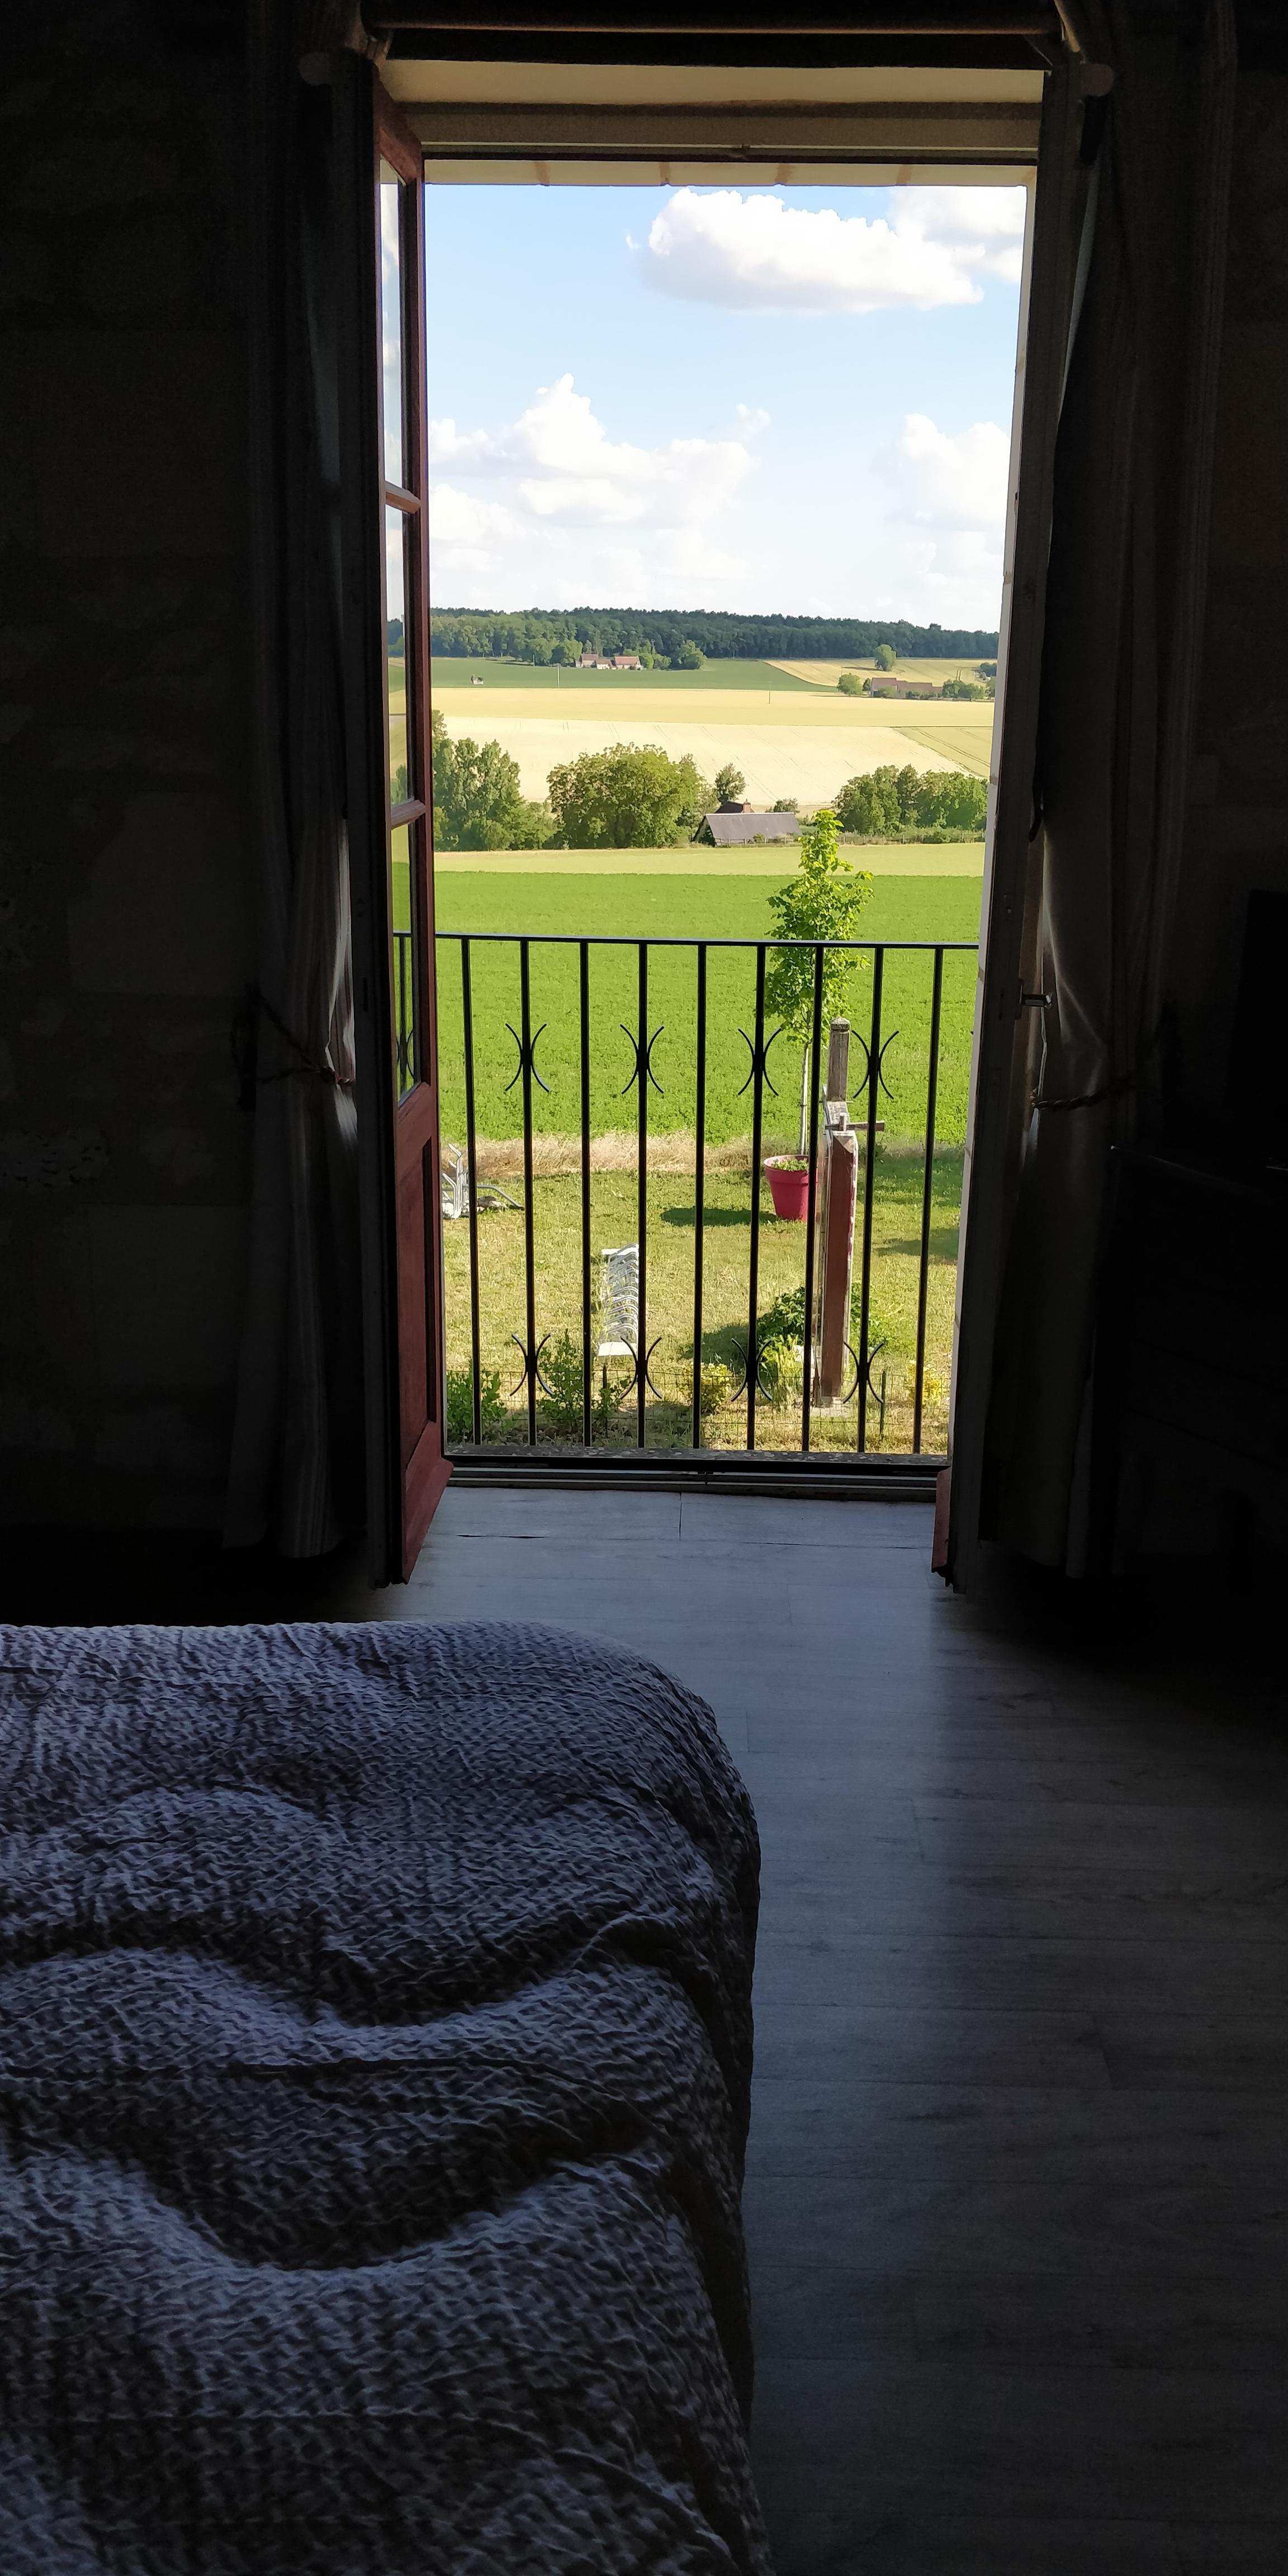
point(668, 1325)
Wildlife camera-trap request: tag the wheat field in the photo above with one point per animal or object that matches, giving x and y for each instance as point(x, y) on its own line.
point(777, 758)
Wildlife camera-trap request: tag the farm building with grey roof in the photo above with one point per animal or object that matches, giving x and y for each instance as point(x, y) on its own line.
point(734, 824)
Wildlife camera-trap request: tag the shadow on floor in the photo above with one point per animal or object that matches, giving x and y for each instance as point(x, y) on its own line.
point(1015, 2183)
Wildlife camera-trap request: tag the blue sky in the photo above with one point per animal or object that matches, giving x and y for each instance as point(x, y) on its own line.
point(735, 397)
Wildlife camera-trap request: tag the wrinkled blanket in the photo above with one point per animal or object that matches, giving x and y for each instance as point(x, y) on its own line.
point(374, 2054)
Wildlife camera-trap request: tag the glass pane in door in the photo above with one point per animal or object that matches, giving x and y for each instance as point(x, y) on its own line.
point(391, 325)
point(403, 962)
point(397, 591)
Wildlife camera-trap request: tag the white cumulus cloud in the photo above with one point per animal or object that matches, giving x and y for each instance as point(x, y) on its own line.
point(949, 493)
point(945, 482)
point(556, 472)
point(719, 246)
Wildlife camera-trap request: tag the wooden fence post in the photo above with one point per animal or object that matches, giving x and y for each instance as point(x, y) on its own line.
point(837, 1198)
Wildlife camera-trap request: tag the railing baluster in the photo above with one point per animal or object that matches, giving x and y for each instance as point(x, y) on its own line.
point(530, 1278)
point(927, 1194)
point(584, 982)
point(699, 1188)
point(819, 950)
point(753, 1267)
point(641, 1328)
point(472, 1174)
point(816, 1040)
point(865, 1289)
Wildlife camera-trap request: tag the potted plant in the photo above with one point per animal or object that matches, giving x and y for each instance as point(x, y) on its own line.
point(788, 1178)
point(822, 901)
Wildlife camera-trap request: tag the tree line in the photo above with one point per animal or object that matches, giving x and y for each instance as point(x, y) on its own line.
point(544, 634)
point(631, 796)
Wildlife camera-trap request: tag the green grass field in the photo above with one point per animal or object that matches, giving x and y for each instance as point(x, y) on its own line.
point(654, 903)
point(556, 1204)
point(650, 906)
point(630, 909)
point(447, 672)
point(692, 859)
point(687, 895)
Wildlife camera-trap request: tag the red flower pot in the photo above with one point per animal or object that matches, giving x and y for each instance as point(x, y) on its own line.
point(788, 1189)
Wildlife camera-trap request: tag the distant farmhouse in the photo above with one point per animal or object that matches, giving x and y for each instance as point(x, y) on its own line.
point(609, 662)
point(733, 825)
point(891, 686)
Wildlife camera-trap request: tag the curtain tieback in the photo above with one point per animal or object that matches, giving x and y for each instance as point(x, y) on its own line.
point(307, 1063)
point(1089, 1099)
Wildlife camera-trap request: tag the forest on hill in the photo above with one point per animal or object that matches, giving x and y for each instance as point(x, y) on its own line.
point(545, 634)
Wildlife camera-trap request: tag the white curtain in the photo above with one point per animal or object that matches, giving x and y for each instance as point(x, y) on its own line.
point(1128, 550)
point(296, 1468)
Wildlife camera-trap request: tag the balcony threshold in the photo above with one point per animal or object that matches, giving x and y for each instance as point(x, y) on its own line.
point(898, 1479)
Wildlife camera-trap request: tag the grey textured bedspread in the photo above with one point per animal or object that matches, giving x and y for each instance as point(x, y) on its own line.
point(374, 2052)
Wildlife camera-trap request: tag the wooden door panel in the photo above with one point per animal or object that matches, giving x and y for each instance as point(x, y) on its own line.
point(418, 1249)
point(418, 1302)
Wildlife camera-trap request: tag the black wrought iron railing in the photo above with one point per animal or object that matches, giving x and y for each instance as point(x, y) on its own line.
point(719, 1350)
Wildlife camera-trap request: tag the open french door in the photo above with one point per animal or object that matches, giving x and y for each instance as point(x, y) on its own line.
point(384, 513)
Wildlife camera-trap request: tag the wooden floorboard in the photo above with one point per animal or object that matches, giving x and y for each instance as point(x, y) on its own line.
point(1017, 2182)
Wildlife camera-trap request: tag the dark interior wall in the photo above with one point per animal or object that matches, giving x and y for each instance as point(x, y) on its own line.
point(1237, 825)
point(126, 904)
point(126, 929)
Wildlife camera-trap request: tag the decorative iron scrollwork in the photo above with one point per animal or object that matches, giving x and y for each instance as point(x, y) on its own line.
point(527, 1060)
point(759, 1061)
point(643, 1059)
point(531, 1364)
point(866, 1076)
point(859, 1372)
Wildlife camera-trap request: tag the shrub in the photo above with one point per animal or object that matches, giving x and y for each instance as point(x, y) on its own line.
point(785, 1321)
point(460, 1403)
point(560, 1367)
point(933, 1387)
point(881, 1333)
point(851, 684)
point(779, 1371)
point(713, 1386)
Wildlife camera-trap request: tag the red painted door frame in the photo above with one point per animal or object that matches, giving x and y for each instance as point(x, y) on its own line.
point(402, 1354)
point(424, 1471)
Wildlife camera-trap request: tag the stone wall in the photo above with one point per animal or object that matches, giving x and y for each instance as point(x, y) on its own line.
point(126, 916)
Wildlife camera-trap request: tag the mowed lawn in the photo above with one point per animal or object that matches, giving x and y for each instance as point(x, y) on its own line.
point(627, 909)
point(668, 1323)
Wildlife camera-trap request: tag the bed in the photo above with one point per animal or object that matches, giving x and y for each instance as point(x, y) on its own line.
point(374, 2055)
